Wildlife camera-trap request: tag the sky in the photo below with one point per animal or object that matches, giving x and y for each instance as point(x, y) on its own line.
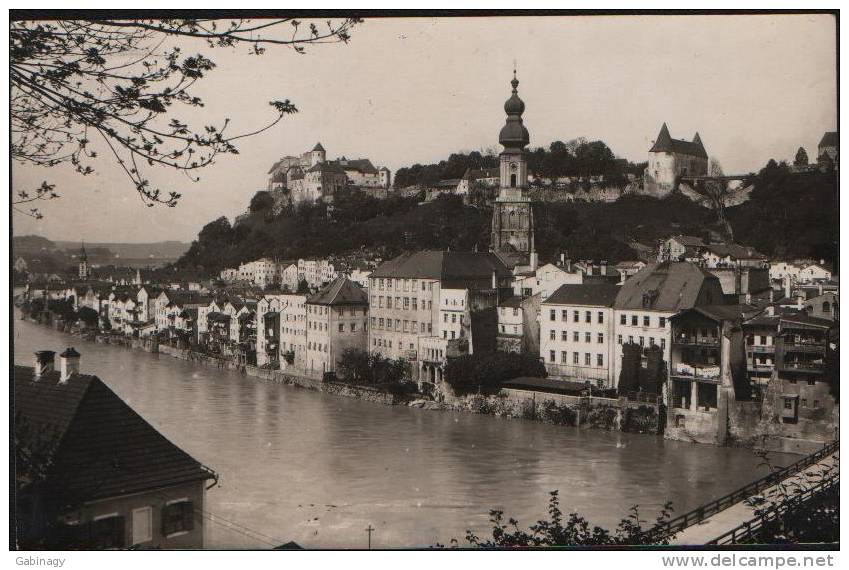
point(414, 90)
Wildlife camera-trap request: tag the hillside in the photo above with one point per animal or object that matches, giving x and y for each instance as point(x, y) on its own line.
point(162, 250)
point(788, 215)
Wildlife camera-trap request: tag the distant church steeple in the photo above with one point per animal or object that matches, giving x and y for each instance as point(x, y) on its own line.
point(83, 270)
point(512, 216)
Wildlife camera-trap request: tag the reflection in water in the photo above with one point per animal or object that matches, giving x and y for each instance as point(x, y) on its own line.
point(317, 469)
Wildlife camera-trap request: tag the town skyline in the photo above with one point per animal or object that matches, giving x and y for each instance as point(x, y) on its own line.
point(577, 96)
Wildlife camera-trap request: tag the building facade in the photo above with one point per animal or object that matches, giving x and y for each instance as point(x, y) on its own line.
point(669, 159)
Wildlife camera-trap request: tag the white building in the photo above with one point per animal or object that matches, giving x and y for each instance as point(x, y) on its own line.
point(545, 280)
point(293, 330)
point(813, 273)
point(576, 333)
point(316, 272)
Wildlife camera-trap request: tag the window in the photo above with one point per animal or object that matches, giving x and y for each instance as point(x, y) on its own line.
point(588, 337)
point(623, 319)
point(788, 403)
point(662, 322)
point(142, 525)
point(178, 517)
point(601, 338)
point(564, 315)
point(574, 358)
point(341, 327)
point(651, 341)
point(630, 339)
point(515, 312)
point(551, 356)
point(107, 532)
point(600, 317)
point(576, 316)
point(444, 317)
point(564, 336)
point(646, 321)
point(804, 402)
point(576, 337)
point(619, 339)
point(633, 320)
point(599, 359)
point(663, 343)
point(642, 341)
point(552, 334)
point(816, 404)
point(587, 358)
point(588, 317)
point(563, 357)
point(551, 315)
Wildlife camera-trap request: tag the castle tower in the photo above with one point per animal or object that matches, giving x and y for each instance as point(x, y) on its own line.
point(317, 154)
point(83, 270)
point(512, 216)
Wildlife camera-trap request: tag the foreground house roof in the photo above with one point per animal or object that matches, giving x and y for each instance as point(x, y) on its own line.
point(103, 447)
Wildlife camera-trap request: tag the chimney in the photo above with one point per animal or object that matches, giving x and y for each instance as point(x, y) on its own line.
point(535, 261)
point(787, 286)
point(819, 287)
point(494, 280)
point(69, 364)
point(603, 266)
point(43, 363)
point(567, 265)
point(770, 310)
point(562, 260)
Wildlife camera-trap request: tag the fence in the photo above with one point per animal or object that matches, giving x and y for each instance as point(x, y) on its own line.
point(749, 529)
point(706, 510)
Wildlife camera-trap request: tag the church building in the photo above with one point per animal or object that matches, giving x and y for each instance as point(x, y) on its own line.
point(513, 216)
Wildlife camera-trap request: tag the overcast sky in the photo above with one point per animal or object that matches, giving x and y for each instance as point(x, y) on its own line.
point(415, 90)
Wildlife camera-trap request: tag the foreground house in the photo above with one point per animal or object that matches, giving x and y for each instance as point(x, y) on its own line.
point(91, 473)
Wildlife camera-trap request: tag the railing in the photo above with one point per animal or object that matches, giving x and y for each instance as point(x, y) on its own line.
point(750, 528)
point(706, 510)
point(700, 341)
point(643, 397)
point(804, 366)
point(762, 348)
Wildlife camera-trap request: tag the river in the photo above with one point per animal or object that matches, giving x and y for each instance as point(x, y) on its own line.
point(318, 469)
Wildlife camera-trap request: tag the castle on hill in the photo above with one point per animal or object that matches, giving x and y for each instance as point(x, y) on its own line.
point(669, 159)
point(310, 177)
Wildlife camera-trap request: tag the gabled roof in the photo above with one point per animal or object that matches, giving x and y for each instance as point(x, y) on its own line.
point(830, 138)
point(105, 449)
point(688, 241)
point(717, 312)
point(734, 251)
point(665, 143)
point(669, 286)
point(318, 147)
point(443, 265)
point(342, 291)
point(363, 165)
point(593, 294)
point(803, 319)
point(327, 167)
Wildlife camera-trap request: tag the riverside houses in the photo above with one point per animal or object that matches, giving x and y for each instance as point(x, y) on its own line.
point(111, 480)
point(648, 299)
point(414, 296)
point(576, 333)
point(337, 320)
point(293, 330)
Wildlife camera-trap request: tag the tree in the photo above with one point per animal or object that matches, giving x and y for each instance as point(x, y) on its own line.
point(801, 157)
point(486, 372)
point(556, 530)
point(716, 191)
point(303, 287)
point(88, 316)
point(261, 202)
point(120, 82)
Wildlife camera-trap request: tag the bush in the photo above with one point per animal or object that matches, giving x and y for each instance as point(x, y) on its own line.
point(486, 372)
point(550, 412)
point(361, 367)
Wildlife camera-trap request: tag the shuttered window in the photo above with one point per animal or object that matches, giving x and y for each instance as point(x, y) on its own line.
point(107, 532)
point(178, 517)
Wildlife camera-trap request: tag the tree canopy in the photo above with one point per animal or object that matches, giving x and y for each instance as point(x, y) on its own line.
point(122, 83)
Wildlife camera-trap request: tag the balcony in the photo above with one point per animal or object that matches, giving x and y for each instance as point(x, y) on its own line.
point(700, 372)
point(814, 346)
point(805, 367)
point(704, 341)
point(762, 348)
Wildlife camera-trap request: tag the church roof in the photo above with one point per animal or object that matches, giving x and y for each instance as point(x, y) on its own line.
point(665, 143)
point(514, 134)
point(318, 147)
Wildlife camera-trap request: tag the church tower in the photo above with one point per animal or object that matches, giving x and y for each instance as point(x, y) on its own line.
point(83, 269)
point(512, 216)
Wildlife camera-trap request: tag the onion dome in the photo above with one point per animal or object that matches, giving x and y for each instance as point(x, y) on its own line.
point(514, 134)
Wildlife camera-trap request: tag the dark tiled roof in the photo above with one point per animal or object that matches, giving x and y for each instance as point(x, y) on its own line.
point(665, 143)
point(830, 138)
point(688, 241)
point(216, 316)
point(719, 312)
point(363, 165)
point(803, 319)
point(327, 167)
point(105, 448)
point(512, 302)
point(342, 291)
point(443, 265)
point(318, 147)
point(669, 286)
point(596, 295)
point(735, 251)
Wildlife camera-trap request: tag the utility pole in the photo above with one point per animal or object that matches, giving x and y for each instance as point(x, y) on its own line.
point(369, 529)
